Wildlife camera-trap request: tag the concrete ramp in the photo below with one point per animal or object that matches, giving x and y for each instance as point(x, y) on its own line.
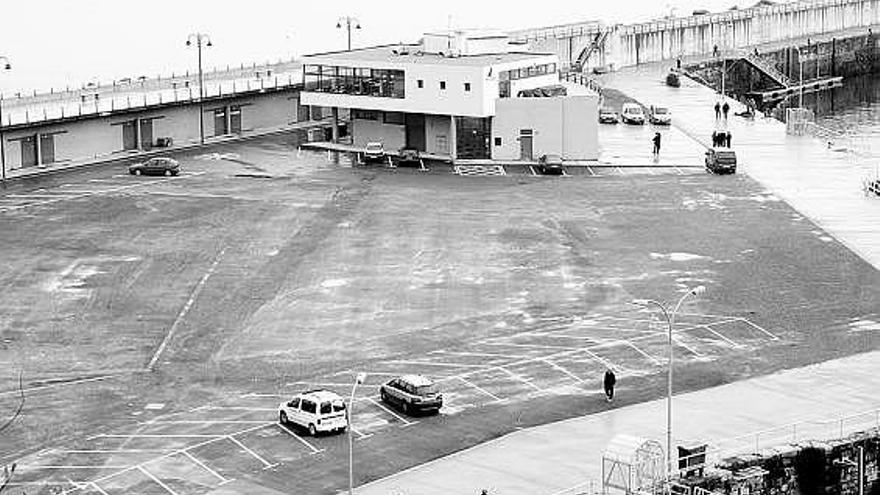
point(822, 183)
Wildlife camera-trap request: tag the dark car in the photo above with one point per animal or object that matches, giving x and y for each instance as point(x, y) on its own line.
point(412, 394)
point(374, 153)
point(721, 161)
point(550, 165)
point(155, 166)
point(409, 156)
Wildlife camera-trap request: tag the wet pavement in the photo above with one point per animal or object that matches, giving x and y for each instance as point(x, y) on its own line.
point(565, 457)
point(823, 183)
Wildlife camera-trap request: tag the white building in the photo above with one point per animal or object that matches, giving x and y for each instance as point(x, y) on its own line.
point(455, 94)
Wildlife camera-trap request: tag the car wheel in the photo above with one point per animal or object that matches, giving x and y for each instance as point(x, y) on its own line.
point(383, 395)
point(405, 408)
point(312, 430)
point(168, 173)
point(282, 418)
point(137, 172)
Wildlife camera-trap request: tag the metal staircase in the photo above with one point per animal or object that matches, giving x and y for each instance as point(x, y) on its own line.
point(769, 69)
point(597, 42)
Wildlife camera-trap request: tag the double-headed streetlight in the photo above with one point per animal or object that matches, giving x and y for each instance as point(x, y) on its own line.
point(670, 321)
point(4, 65)
point(359, 379)
point(347, 22)
point(200, 39)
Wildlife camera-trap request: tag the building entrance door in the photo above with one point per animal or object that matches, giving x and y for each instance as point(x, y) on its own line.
point(415, 131)
point(28, 151)
point(220, 122)
point(146, 134)
point(526, 151)
point(47, 148)
point(129, 136)
point(235, 119)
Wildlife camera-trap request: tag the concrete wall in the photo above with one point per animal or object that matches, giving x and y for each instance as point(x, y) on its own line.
point(101, 136)
point(392, 136)
point(565, 125)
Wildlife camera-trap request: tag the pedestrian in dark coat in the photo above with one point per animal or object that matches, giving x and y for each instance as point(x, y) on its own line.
point(656, 142)
point(725, 109)
point(714, 139)
point(608, 383)
point(717, 110)
point(727, 138)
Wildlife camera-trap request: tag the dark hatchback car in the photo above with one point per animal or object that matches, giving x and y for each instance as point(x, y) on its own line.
point(412, 394)
point(155, 166)
point(550, 165)
point(721, 161)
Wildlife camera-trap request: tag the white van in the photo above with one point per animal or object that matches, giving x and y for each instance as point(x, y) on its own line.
point(316, 411)
point(632, 113)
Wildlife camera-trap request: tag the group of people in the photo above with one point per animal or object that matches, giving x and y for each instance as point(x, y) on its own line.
point(721, 139)
point(721, 110)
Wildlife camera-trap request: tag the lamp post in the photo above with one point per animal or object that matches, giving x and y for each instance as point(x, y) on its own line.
point(801, 77)
point(670, 321)
point(359, 379)
point(200, 39)
point(4, 65)
point(348, 21)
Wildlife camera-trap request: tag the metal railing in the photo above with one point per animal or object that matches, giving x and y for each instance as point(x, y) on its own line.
point(20, 113)
point(768, 68)
point(583, 80)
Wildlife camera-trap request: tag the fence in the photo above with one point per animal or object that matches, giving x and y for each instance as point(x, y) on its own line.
point(26, 112)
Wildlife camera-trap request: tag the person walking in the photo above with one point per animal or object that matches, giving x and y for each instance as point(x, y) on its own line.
point(656, 142)
point(725, 109)
point(608, 383)
point(714, 139)
point(727, 138)
point(717, 110)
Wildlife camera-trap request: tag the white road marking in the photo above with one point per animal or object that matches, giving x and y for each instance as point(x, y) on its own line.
point(772, 336)
point(157, 480)
point(185, 310)
point(201, 464)
point(204, 422)
point(563, 370)
point(722, 337)
point(98, 488)
point(389, 411)
point(520, 378)
point(266, 464)
point(301, 439)
point(494, 397)
point(37, 468)
point(53, 385)
point(643, 353)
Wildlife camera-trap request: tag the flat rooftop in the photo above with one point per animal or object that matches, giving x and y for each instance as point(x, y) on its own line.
point(412, 54)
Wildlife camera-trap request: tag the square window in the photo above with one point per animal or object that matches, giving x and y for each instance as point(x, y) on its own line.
point(498, 141)
point(420, 83)
point(467, 86)
point(442, 84)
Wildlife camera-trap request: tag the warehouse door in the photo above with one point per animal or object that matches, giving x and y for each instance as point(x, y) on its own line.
point(129, 136)
point(526, 143)
point(146, 134)
point(47, 148)
point(235, 119)
point(220, 122)
point(28, 151)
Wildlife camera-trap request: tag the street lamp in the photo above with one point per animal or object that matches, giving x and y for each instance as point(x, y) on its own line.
point(4, 65)
point(359, 379)
point(670, 321)
point(200, 39)
point(801, 77)
point(347, 21)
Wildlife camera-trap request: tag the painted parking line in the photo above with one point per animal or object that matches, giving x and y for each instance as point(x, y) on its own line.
point(302, 440)
point(157, 480)
point(643, 353)
point(74, 467)
point(266, 464)
point(203, 422)
point(476, 387)
point(430, 363)
point(534, 346)
point(760, 328)
point(563, 370)
point(389, 411)
point(97, 488)
point(714, 332)
point(483, 354)
point(223, 480)
point(519, 378)
point(604, 361)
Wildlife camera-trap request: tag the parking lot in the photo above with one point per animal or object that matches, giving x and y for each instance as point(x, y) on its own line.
point(159, 322)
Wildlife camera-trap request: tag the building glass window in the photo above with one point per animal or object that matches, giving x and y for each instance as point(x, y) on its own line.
point(354, 81)
point(365, 114)
point(395, 118)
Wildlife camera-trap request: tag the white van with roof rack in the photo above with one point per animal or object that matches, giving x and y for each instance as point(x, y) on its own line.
point(317, 411)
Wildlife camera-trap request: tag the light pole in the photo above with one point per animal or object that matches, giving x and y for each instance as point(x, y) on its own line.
point(200, 39)
point(801, 77)
point(359, 379)
point(670, 321)
point(347, 21)
point(4, 65)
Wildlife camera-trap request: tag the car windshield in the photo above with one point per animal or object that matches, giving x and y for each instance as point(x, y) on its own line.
point(426, 389)
point(633, 110)
point(338, 406)
point(607, 110)
point(660, 111)
point(374, 147)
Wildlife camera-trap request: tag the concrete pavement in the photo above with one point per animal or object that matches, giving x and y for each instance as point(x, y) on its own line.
point(565, 457)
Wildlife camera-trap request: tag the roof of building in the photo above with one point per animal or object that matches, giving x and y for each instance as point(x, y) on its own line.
point(412, 54)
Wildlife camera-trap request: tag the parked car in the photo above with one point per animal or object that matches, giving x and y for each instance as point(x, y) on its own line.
point(672, 80)
point(155, 166)
point(632, 113)
point(608, 116)
point(721, 161)
point(660, 116)
point(374, 152)
point(409, 156)
point(316, 411)
point(412, 394)
point(550, 165)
